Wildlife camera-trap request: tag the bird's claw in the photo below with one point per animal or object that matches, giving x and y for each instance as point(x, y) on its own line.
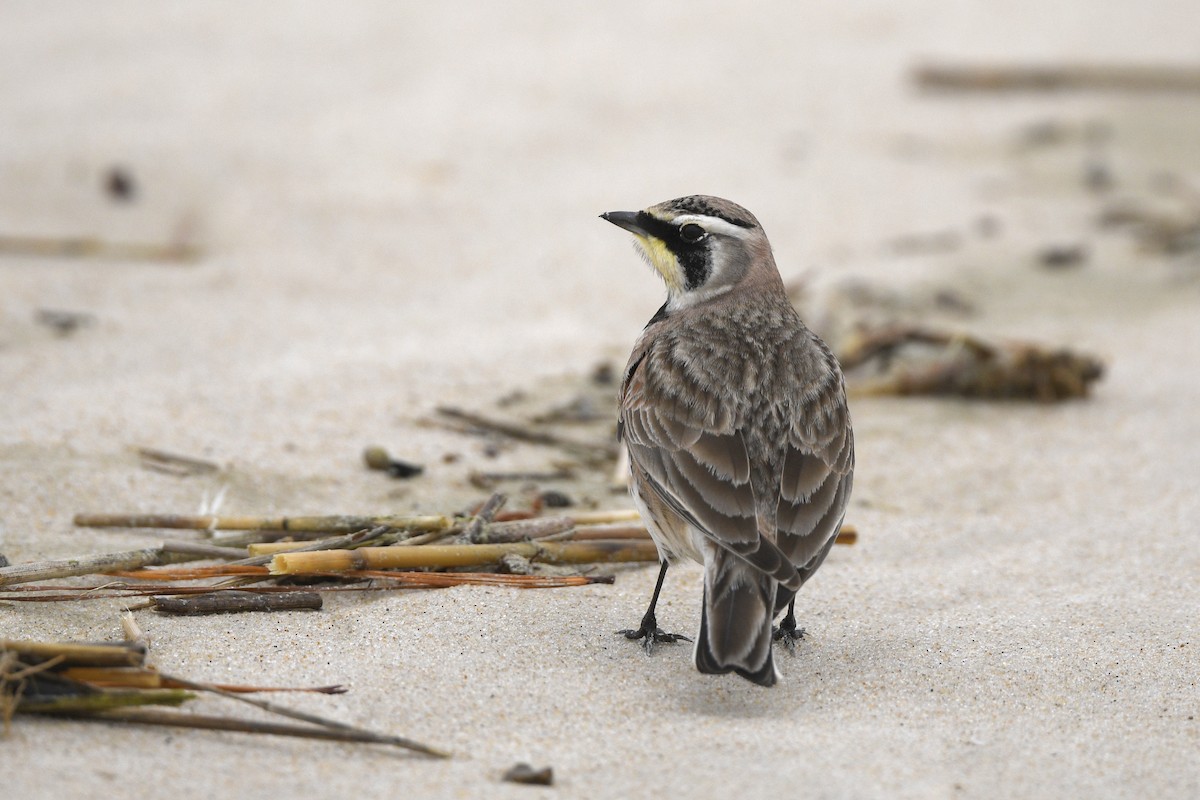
point(788, 635)
point(652, 636)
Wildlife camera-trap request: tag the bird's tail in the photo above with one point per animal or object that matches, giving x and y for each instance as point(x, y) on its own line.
point(735, 625)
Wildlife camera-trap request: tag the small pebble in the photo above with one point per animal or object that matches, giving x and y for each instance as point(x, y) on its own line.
point(1063, 256)
point(523, 773)
point(376, 457)
point(603, 374)
point(552, 498)
point(120, 185)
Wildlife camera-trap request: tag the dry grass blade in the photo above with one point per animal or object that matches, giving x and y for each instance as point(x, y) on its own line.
point(303, 716)
point(214, 723)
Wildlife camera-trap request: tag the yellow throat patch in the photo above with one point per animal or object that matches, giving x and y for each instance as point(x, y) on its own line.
point(663, 261)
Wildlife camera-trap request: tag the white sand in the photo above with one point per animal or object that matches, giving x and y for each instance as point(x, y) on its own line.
point(398, 208)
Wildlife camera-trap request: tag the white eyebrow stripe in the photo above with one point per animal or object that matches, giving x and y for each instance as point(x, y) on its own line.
point(712, 225)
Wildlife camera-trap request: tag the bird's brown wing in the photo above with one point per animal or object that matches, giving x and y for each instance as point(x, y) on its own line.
point(818, 471)
point(696, 463)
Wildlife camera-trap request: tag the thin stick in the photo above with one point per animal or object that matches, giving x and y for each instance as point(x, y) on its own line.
point(616, 530)
point(477, 477)
point(459, 556)
point(396, 580)
point(601, 517)
point(521, 433)
point(846, 536)
point(1057, 77)
point(150, 678)
point(174, 464)
point(232, 602)
point(207, 722)
point(194, 573)
point(204, 550)
point(89, 247)
point(338, 523)
point(85, 565)
point(303, 716)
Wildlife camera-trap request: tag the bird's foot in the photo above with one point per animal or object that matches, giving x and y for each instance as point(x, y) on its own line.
point(788, 634)
point(651, 634)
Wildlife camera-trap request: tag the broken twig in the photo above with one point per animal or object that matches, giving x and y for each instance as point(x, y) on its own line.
point(1057, 77)
point(173, 464)
point(233, 602)
point(522, 433)
point(319, 524)
point(90, 247)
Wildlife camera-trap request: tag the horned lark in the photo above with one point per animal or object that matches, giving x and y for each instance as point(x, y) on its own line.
point(740, 444)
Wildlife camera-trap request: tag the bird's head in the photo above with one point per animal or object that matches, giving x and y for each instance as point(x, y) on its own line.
point(701, 246)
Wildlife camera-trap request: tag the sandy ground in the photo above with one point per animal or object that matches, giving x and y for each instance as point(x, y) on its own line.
point(397, 207)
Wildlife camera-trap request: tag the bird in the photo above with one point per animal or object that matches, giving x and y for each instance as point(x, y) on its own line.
point(740, 442)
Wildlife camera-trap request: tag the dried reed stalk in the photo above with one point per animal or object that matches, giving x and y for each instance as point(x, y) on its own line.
point(95, 701)
point(116, 677)
point(121, 654)
point(459, 556)
point(84, 565)
point(524, 529)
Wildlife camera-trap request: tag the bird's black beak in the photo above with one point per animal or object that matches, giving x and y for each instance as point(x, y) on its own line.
point(629, 220)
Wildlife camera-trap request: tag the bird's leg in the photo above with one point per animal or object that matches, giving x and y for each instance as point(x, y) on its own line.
point(648, 631)
point(787, 632)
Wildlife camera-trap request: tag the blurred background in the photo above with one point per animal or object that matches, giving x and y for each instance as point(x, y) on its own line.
point(284, 209)
point(407, 155)
point(297, 214)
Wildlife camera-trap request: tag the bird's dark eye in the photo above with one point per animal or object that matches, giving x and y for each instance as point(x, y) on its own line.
point(691, 233)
